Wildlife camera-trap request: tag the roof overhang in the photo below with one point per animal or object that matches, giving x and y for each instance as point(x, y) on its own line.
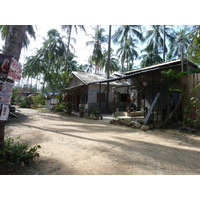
point(74, 87)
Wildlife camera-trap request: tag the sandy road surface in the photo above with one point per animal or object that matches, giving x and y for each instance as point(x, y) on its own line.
point(72, 145)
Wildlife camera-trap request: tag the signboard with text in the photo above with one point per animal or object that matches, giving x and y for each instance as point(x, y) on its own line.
point(15, 71)
point(10, 71)
point(5, 61)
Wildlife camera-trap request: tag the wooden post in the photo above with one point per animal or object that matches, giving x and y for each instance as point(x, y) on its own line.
point(100, 98)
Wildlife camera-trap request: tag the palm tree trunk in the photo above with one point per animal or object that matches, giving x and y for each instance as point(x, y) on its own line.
point(13, 46)
point(164, 45)
point(69, 38)
point(14, 40)
point(108, 71)
point(122, 67)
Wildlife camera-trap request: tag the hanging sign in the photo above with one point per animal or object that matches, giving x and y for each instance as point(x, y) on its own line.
point(4, 112)
point(15, 70)
point(5, 61)
point(6, 92)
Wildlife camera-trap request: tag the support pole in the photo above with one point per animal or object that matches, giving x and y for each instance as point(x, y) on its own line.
point(100, 99)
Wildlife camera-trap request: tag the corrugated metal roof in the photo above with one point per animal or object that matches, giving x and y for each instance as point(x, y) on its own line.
point(89, 77)
point(146, 70)
point(165, 64)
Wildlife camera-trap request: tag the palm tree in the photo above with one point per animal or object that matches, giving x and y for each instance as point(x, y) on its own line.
point(13, 46)
point(180, 44)
point(127, 36)
point(4, 29)
point(127, 31)
point(193, 49)
point(50, 60)
point(97, 41)
point(127, 52)
point(114, 63)
point(69, 28)
point(155, 39)
point(86, 67)
point(150, 57)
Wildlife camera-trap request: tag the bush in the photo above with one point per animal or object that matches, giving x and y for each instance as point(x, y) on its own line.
point(39, 99)
point(15, 154)
point(25, 102)
point(59, 107)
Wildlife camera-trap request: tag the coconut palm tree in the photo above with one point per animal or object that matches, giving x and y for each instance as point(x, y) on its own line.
point(150, 56)
point(180, 43)
point(114, 63)
point(155, 38)
point(127, 52)
point(98, 40)
point(127, 31)
point(193, 49)
point(50, 60)
point(69, 28)
point(13, 46)
point(4, 29)
point(127, 36)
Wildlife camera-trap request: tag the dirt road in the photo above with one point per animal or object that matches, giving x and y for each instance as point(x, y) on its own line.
point(72, 145)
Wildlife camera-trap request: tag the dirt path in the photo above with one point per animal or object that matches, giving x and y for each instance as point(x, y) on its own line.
point(72, 145)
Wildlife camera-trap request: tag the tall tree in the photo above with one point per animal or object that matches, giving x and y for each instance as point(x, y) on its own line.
point(114, 63)
point(194, 47)
point(155, 38)
point(50, 61)
point(69, 28)
point(127, 37)
point(13, 46)
point(179, 44)
point(98, 40)
point(127, 53)
point(150, 56)
point(4, 29)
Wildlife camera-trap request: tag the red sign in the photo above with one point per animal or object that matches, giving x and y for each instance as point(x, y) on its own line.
point(15, 71)
point(5, 61)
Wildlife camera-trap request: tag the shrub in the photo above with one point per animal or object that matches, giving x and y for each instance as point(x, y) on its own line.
point(59, 107)
point(25, 102)
point(39, 99)
point(15, 154)
point(95, 112)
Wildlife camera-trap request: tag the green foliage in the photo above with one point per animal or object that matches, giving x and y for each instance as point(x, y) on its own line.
point(59, 107)
point(38, 99)
point(68, 105)
point(14, 99)
point(25, 102)
point(192, 104)
point(95, 112)
point(116, 114)
point(15, 154)
point(173, 79)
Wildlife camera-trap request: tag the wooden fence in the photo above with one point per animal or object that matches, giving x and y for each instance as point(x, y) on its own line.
point(191, 88)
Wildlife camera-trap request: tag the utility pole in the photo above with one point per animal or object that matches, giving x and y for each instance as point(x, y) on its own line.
point(182, 57)
point(164, 44)
point(108, 70)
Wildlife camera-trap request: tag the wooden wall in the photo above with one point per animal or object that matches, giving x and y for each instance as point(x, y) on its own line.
point(191, 88)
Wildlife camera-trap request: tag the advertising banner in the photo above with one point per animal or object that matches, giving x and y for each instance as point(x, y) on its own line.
point(4, 112)
point(6, 92)
point(15, 70)
point(5, 61)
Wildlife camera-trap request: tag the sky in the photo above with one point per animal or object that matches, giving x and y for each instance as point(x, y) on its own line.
point(81, 50)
